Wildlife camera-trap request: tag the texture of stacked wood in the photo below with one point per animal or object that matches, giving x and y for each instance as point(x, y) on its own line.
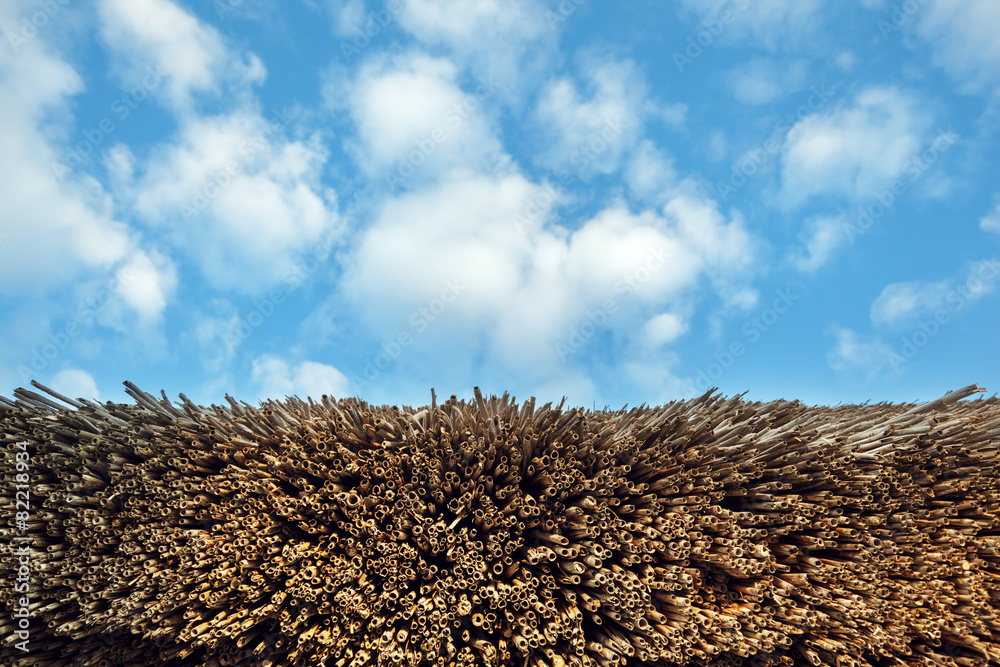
point(705, 532)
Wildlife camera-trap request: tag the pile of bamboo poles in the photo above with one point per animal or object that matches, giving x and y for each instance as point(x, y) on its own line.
point(705, 532)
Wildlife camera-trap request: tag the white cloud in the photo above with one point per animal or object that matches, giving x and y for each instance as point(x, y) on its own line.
point(769, 23)
point(590, 134)
point(490, 37)
point(853, 150)
point(75, 383)
point(66, 230)
point(991, 221)
point(276, 379)
point(649, 173)
point(903, 303)
point(413, 119)
point(664, 328)
point(157, 39)
point(760, 81)
point(522, 292)
point(241, 199)
point(855, 353)
point(238, 196)
point(465, 23)
point(147, 281)
point(822, 236)
point(963, 34)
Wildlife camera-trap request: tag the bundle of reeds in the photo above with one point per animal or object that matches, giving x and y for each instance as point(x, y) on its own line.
point(704, 532)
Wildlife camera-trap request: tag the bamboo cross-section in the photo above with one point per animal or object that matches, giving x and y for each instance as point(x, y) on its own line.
point(711, 531)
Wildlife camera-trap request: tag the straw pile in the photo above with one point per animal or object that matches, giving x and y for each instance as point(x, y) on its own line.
point(707, 532)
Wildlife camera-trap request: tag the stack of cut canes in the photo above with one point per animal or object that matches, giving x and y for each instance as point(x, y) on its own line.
point(704, 532)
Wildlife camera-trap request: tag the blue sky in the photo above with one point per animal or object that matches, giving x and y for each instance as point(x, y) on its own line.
point(619, 203)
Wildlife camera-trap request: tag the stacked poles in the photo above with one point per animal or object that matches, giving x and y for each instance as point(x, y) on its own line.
point(707, 532)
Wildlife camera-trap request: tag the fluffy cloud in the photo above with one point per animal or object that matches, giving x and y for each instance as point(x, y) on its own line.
point(589, 132)
point(158, 36)
point(490, 37)
point(146, 282)
point(229, 190)
point(414, 121)
point(769, 23)
point(465, 23)
point(821, 237)
point(649, 173)
point(276, 378)
point(904, 303)
point(67, 230)
point(75, 383)
point(664, 328)
point(853, 150)
point(239, 197)
point(523, 291)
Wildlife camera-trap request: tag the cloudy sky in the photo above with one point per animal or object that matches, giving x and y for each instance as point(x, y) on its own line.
point(615, 202)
